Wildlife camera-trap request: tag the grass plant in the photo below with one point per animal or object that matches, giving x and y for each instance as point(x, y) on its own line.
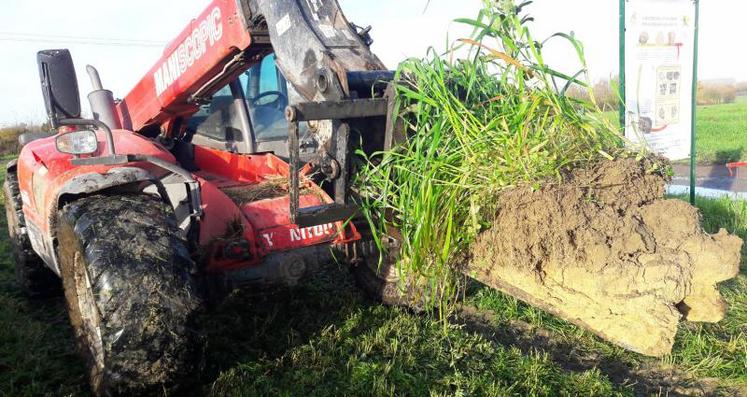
point(485, 116)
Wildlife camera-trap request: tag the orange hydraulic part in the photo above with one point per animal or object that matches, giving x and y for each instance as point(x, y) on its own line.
point(192, 60)
point(733, 166)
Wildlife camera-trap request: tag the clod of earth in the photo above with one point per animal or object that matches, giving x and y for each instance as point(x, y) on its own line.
point(605, 250)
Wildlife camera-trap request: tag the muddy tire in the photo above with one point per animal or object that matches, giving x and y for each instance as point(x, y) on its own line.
point(130, 293)
point(379, 283)
point(382, 284)
point(33, 276)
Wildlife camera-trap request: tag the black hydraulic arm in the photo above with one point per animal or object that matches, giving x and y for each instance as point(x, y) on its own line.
point(315, 45)
point(328, 61)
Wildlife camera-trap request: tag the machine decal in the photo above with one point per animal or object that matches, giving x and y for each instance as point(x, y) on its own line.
point(206, 33)
point(309, 233)
point(328, 31)
point(315, 7)
point(285, 237)
point(283, 25)
point(268, 239)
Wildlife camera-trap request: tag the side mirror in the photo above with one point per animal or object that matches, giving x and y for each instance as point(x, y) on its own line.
point(59, 85)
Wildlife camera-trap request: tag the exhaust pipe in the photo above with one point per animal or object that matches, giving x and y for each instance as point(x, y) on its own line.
point(102, 101)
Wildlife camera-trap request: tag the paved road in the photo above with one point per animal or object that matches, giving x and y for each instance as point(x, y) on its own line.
point(712, 177)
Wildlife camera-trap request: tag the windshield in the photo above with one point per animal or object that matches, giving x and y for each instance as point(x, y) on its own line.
point(267, 95)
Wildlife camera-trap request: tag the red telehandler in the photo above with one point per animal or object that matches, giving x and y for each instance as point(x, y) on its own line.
point(228, 165)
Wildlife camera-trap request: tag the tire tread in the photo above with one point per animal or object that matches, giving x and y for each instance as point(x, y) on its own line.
point(145, 294)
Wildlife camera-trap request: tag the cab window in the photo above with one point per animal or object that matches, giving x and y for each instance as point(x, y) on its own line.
point(218, 120)
point(267, 95)
point(268, 76)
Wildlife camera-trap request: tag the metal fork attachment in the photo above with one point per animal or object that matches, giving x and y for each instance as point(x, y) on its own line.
point(341, 111)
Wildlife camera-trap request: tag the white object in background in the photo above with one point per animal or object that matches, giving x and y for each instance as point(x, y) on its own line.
point(660, 47)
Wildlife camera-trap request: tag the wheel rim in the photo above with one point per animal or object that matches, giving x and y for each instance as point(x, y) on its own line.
point(89, 316)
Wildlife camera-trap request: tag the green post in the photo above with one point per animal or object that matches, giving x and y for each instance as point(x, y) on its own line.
point(622, 65)
point(693, 163)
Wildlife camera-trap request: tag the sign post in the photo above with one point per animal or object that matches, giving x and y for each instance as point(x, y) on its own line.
point(622, 64)
point(693, 153)
point(658, 66)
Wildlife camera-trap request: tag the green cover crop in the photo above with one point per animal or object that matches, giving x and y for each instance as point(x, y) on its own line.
point(486, 116)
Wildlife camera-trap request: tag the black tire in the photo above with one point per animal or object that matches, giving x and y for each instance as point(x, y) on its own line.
point(33, 276)
point(131, 296)
point(382, 283)
point(379, 283)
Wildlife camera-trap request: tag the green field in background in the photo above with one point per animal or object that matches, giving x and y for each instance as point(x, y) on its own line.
point(721, 132)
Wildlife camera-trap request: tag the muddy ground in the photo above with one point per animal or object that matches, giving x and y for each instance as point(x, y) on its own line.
point(605, 250)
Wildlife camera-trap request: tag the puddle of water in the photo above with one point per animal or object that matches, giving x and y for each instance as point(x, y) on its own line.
point(706, 192)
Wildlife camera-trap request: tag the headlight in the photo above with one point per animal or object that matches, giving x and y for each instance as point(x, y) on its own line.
point(78, 142)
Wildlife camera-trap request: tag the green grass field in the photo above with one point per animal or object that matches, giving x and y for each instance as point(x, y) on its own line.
point(326, 339)
point(721, 132)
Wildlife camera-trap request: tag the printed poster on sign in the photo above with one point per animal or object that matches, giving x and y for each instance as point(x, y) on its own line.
point(659, 52)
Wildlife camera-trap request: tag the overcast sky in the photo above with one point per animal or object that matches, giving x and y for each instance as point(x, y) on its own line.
point(402, 28)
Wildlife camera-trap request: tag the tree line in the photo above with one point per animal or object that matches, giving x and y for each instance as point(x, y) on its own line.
point(9, 136)
point(606, 93)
